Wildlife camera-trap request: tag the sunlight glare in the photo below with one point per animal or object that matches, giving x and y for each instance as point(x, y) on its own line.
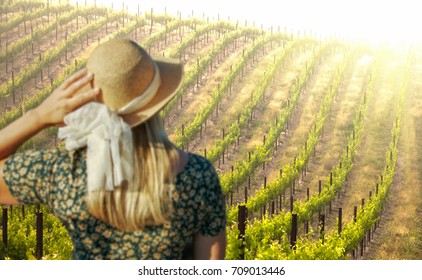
point(373, 21)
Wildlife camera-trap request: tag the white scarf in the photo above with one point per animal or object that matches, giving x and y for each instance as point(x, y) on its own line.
point(109, 142)
point(108, 138)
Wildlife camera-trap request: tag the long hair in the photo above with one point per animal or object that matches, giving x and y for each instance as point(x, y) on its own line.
point(147, 199)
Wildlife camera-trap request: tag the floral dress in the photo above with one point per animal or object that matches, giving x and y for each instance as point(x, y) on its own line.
point(57, 177)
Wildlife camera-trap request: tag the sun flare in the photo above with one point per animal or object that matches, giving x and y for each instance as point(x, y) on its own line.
point(388, 21)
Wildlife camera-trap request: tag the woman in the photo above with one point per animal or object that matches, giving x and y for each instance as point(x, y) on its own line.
point(121, 188)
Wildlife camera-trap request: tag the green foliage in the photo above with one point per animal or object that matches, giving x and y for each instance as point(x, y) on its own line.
point(338, 246)
point(203, 62)
point(53, 54)
point(193, 128)
point(21, 244)
point(67, 15)
point(259, 156)
point(264, 239)
point(267, 238)
point(20, 6)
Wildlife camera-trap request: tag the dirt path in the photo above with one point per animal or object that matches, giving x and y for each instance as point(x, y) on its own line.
point(303, 117)
point(338, 127)
point(277, 94)
point(370, 156)
point(197, 96)
point(302, 120)
point(263, 114)
point(231, 103)
point(400, 233)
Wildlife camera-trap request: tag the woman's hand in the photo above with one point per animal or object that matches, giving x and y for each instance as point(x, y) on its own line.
point(51, 112)
point(65, 100)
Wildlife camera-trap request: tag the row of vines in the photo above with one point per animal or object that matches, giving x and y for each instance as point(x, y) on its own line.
point(241, 84)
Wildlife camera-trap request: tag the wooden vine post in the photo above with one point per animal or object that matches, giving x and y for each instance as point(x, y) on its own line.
point(39, 233)
point(242, 227)
point(13, 87)
point(4, 223)
point(293, 233)
point(340, 220)
point(322, 227)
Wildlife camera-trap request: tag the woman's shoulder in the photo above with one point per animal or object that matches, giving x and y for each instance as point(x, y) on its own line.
point(39, 155)
point(198, 162)
point(199, 169)
point(58, 157)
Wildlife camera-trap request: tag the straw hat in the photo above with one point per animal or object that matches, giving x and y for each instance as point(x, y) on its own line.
point(133, 83)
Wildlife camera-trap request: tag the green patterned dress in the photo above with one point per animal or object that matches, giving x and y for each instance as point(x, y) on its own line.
point(57, 178)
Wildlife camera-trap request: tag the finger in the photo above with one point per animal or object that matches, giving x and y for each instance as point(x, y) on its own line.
point(78, 84)
point(74, 77)
point(61, 124)
point(81, 99)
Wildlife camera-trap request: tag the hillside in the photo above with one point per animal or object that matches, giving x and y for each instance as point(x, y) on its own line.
point(297, 127)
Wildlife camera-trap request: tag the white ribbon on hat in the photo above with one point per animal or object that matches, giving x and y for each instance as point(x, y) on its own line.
point(107, 137)
point(145, 97)
point(109, 144)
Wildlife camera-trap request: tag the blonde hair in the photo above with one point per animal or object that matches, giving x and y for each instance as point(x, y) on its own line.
point(147, 199)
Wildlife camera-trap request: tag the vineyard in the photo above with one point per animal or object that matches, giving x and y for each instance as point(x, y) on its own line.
point(316, 140)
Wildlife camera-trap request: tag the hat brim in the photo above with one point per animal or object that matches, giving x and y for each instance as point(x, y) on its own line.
point(171, 74)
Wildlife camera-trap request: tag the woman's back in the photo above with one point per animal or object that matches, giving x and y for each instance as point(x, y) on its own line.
point(197, 202)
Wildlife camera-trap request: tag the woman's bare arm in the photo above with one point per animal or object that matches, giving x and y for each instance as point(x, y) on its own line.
point(6, 197)
point(51, 112)
point(209, 247)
